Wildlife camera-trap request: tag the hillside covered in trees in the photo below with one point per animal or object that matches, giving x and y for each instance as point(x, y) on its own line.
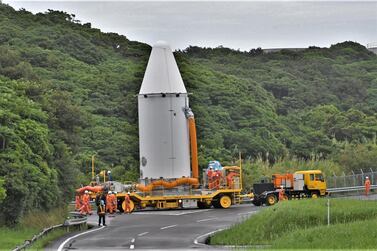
point(67, 92)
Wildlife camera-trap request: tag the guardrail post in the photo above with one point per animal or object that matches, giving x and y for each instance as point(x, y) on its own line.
point(371, 176)
point(344, 179)
point(354, 179)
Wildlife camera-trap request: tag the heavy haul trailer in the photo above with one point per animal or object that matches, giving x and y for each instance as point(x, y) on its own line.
point(227, 192)
point(298, 185)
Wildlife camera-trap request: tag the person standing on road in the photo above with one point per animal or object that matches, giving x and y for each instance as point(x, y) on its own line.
point(109, 202)
point(127, 201)
point(101, 211)
point(281, 193)
point(77, 202)
point(367, 185)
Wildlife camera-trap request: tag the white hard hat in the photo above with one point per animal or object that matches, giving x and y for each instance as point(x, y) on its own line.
point(367, 177)
point(86, 191)
point(109, 192)
point(281, 186)
point(128, 193)
point(109, 171)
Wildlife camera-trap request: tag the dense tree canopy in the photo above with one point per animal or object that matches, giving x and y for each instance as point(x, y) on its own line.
point(67, 92)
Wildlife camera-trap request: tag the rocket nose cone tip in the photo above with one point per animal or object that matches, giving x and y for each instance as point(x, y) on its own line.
point(161, 44)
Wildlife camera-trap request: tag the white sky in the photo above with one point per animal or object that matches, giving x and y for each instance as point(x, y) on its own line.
point(239, 25)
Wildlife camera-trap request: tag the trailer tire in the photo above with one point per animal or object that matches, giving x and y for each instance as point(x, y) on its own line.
point(271, 200)
point(216, 203)
point(132, 206)
point(203, 205)
point(225, 201)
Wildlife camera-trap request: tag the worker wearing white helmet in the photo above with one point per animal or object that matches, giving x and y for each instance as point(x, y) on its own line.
point(86, 191)
point(109, 202)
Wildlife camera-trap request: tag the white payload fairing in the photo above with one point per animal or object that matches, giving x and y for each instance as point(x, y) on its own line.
point(163, 128)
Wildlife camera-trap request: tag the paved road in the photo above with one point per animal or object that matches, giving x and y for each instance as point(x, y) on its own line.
point(168, 229)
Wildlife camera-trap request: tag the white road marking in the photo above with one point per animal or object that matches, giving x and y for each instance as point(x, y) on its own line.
point(168, 227)
point(60, 248)
point(206, 219)
point(143, 234)
point(133, 240)
point(132, 246)
point(251, 212)
point(196, 241)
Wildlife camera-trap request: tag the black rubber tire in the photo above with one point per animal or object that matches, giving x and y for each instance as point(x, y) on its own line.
point(216, 203)
point(271, 200)
point(257, 203)
point(203, 205)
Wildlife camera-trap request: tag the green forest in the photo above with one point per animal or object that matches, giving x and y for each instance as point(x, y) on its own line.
point(67, 92)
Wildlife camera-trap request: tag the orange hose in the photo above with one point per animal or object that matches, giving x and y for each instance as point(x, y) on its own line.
point(167, 184)
point(95, 189)
point(194, 148)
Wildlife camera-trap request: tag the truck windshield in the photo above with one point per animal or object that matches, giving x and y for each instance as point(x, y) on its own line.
point(319, 176)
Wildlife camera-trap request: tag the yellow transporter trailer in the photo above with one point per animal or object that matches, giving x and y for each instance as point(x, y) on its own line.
point(226, 192)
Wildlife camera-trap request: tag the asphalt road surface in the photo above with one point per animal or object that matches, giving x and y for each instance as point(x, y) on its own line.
point(162, 229)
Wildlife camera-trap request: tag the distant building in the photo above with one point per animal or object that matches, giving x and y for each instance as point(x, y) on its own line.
point(372, 47)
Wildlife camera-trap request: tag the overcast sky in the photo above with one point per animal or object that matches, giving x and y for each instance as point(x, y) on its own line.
point(239, 25)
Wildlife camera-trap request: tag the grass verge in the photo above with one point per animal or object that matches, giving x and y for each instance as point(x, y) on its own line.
point(29, 226)
point(304, 223)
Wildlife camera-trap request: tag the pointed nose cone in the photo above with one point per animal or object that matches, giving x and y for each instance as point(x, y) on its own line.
point(162, 74)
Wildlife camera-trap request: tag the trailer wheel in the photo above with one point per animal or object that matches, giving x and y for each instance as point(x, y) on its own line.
point(132, 206)
point(216, 203)
point(271, 200)
point(203, 205)
point(225, 201)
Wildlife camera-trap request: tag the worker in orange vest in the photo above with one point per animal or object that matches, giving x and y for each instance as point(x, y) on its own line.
point(218, 176)
point(210, 178)
point(127, 202)
point(282, 194)
point(86, 208)
point(77, 202)
point(367, 185)
point(109, 202)
point(115, 202)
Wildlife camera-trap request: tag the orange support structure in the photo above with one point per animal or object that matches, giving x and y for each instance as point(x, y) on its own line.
point(166, 184)
point(194, 148)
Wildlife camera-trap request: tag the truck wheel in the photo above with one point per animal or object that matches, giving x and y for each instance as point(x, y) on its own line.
point(271, 200)
point(256, 203)
point(225, 201)
point(216, 203)
point(314, 196)
point(132, 206)
point(203, 205)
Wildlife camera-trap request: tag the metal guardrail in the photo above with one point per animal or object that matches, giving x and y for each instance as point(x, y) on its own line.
point(349, 189)
point(74, 220)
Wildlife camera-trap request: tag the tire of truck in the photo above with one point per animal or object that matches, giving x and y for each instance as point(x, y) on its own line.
point(132, 206)
point(203, 205)
point(257, 203)
point(315, 195)
point(225, 201)
point(271, 200)
point(216, 203)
